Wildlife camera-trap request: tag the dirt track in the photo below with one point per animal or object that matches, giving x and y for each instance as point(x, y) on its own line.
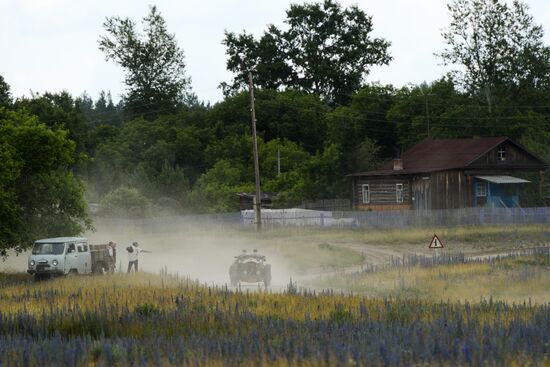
point(206, 255)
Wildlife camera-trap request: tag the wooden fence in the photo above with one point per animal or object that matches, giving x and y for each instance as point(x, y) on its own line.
point(413, 218)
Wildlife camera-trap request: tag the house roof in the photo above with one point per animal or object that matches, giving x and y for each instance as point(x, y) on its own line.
point(432, 155)
point(503, 179)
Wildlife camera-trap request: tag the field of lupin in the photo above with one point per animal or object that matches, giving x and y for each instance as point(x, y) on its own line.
point(163, 320)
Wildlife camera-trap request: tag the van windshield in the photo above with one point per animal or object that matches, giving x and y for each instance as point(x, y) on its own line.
point(48, 248)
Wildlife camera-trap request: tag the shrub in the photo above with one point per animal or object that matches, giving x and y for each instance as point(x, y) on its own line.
point(125, 201)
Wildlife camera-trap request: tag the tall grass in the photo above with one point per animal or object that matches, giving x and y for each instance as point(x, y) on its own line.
point(150, 320)
point(487, 234)
point(513, 277)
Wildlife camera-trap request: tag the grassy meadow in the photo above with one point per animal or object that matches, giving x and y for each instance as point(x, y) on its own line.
point(160, 320)
point(509, 278)
point(470, 238)
point(375, 298)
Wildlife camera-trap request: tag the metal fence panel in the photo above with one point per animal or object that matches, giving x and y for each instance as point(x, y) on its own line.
point(354, 219)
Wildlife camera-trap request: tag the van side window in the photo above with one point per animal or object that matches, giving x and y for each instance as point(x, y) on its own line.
point(70, 248)
point(85, 247)
point(79, 248)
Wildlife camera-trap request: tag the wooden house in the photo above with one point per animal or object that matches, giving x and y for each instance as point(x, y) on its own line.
point(448, 174)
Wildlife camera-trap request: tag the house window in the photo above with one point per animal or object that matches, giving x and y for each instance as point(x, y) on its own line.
point(399, 192)
point(366, 194)
point(501, 153)
point(481, 189)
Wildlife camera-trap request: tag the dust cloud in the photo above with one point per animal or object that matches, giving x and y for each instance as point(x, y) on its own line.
point(187, 247)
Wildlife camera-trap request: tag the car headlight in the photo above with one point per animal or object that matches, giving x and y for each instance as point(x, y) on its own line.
point(31, 263)
point(54, 263)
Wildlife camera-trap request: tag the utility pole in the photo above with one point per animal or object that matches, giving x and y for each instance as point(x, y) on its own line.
point(257, 202)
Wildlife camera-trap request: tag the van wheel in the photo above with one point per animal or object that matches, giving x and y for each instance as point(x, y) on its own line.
point(99, 269)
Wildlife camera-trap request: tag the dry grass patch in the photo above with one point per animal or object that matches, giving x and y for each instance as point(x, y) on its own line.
point(517, 280)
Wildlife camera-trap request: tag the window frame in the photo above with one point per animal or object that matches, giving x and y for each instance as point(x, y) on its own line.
point(399, 193)
point(481, 193)
point(501, 153)
point(367, 186)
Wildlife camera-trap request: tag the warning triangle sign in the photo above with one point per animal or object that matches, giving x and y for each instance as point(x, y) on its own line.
point(436, 242)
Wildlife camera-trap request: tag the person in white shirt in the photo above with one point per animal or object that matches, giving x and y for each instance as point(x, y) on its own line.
point(133, 255)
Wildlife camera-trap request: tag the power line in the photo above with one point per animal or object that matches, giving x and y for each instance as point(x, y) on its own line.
point(362, 118)
point(410, 117)
point(391, 98)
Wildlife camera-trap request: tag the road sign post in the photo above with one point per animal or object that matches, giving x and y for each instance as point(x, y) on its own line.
point(436, 244)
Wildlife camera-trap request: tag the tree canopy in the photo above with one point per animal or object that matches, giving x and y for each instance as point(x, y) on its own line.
point(317, 119)
point(40, 196)
point(5, 95)
point(326, 50)
point(154, 64)
point(498, 47)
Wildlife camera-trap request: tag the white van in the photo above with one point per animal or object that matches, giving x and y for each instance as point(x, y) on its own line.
point(67, 255)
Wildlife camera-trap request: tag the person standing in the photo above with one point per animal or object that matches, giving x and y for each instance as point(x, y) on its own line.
point(133, 256)
point(112, 254)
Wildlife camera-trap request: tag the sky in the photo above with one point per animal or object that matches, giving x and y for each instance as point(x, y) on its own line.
point(52, 45)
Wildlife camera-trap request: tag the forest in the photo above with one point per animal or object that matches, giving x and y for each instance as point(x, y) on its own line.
point(161, 150)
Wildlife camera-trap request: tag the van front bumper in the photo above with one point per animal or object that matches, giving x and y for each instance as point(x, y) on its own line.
point(45, 271)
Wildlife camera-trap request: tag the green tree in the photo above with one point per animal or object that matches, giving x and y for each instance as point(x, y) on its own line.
point(40, 196)
point(435, 110)
point(289, 184)
point(101, 112)
point(368, 155)
point(439, 110)
point(278, 153)
point(215, 190)
point(124, 201)
point(58, 110)
point(327, 50)
point(289, 187)
point(154, 64)
point(5, 95)
point(324, 175)
point(497, 46)
point(372, 103)
point(291, 114)
point(361, 131)
point(143, 154)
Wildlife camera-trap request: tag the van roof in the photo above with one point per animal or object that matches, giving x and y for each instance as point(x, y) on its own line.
point(61, 240)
